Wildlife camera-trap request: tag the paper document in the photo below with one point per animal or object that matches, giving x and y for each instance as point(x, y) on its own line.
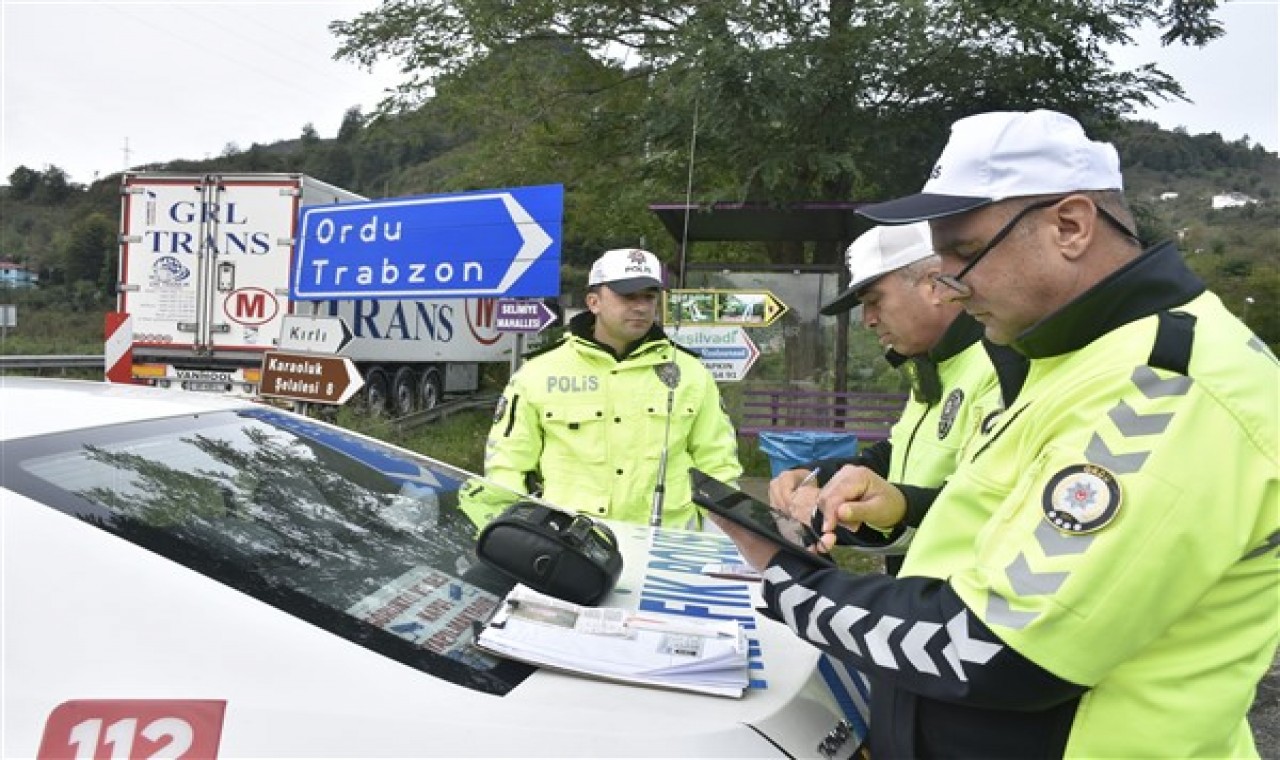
point(649, 649)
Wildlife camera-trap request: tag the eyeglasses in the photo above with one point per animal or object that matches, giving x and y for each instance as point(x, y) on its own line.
point(953, 281)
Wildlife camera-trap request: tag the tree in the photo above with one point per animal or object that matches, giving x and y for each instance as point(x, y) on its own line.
point(90, 245)
point(836, 100)
point(23, 183)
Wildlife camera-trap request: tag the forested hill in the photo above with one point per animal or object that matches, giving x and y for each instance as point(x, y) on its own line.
point(67, 232)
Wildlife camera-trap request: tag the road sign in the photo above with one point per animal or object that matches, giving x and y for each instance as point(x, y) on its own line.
point(313, 334)
point(728, 352)
point(309, 377)
point(748, 308)
point(484, 243)
point(515, 315)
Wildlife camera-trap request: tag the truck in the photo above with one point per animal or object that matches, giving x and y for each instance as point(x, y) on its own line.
point(204, 268)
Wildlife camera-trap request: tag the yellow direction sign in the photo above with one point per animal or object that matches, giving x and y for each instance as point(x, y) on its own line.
point(309, 377)
point(743, 308)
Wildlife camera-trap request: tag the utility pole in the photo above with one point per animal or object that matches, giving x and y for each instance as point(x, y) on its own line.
point(126, 153)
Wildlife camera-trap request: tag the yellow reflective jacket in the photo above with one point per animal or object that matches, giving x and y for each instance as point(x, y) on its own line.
point(592, 428)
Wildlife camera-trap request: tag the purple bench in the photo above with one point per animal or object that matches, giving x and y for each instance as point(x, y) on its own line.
point(866, 415)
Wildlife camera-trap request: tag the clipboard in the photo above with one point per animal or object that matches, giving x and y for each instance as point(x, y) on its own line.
point(791, 535)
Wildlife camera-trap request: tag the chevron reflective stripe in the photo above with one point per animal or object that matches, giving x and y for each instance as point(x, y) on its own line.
point(877, 633)
point(791, 598)
point(1131, 423)
point(812, 633)
point(878, 641)
point(1100, 454)
point(913, 645)
point(1055, 543)
point(999, 612)
point(1153, 386)
point(842, 626)
point(961, 648)
point(1027, 582)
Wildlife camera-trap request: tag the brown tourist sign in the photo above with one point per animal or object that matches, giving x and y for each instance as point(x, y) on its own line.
point(309, 377)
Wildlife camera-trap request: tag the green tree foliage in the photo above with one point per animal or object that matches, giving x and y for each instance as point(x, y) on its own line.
point(90, 251)
point(835, 100)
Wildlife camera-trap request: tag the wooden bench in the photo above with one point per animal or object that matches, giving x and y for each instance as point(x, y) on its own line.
point(866, 415)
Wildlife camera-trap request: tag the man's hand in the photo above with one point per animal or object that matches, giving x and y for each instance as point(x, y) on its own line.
point(787, 495)
point(857, 495)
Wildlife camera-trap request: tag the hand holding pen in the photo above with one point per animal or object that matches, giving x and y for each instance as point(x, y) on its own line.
point(797, 510)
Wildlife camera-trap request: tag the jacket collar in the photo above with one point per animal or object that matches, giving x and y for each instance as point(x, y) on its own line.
point(1155, 281)
point(963, 332)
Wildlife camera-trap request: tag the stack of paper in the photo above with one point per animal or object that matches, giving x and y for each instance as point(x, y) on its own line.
point(691, 654)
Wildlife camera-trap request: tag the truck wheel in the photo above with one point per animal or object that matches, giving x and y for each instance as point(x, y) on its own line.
point(377, 390)
point(404, 391)
point(431, 388)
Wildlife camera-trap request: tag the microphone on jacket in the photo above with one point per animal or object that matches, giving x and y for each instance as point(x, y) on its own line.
point(669, 374)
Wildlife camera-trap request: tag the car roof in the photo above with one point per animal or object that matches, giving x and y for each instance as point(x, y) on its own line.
point(39, 406)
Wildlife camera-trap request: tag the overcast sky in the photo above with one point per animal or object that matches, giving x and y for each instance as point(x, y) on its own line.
point(93, 87)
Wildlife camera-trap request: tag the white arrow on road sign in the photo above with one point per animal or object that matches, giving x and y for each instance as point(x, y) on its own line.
point(463, 245)
point(309, 377)
point(520, 315)
point(313, 334)
point(728, 352)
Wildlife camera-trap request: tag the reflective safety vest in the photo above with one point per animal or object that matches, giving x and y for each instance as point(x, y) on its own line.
point(593, 430)
point(928, 437)
point(1119, 527)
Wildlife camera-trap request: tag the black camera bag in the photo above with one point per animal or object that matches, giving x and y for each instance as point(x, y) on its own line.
point(570, 557)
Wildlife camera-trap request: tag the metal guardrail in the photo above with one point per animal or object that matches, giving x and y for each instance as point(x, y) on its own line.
point(440, 411)
point(51, 361)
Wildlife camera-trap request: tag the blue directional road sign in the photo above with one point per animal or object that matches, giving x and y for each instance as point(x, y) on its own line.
point(487, 243)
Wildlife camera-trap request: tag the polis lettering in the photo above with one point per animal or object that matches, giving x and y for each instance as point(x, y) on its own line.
point(568, 384)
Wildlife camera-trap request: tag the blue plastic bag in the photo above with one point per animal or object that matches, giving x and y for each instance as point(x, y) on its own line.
point(789, 448)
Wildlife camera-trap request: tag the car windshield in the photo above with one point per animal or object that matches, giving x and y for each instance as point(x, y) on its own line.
point(354, 536)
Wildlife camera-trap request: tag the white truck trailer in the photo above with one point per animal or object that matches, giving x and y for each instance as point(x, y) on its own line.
point(205, 261)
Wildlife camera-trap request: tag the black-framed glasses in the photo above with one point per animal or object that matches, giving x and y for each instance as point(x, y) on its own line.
point(954, 281)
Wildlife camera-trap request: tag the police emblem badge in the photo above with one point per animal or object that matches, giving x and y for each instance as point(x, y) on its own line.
point(1081, 499)
point(950, 409)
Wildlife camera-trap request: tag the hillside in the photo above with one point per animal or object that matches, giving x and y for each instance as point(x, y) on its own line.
point(66, 232)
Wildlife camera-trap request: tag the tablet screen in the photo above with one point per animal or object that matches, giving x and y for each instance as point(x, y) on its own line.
point(791, 535)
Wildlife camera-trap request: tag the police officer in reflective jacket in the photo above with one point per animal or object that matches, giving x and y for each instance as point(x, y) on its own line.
point(1099, 576)
point(594, 418)
point(953, 374)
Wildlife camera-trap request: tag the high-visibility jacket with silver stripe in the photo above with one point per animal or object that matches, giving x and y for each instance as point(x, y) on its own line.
point(1100, 576)
point(593, 429)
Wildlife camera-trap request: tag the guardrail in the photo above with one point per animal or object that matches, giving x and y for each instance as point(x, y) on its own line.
point(440, 411)
point(51, 361)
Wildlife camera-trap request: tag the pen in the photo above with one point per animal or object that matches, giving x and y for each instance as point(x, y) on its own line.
point(812, 476)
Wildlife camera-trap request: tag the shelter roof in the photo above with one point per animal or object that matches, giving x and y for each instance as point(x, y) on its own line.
point(725, 221)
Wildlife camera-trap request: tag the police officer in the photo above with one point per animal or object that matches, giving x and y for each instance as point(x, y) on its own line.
point(1099, 576)
point(592, 419)
point(939, 347)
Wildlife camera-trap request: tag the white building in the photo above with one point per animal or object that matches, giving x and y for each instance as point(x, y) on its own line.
point(1232, 200)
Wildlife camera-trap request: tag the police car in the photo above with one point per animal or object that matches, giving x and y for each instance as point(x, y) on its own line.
point(187, 575)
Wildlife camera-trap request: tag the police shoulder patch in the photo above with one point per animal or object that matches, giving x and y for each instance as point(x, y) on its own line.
point(1081, 499)
point(500, 408)
point(950, 408)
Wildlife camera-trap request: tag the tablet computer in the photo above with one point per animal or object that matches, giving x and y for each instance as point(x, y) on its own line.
point(791, 535)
